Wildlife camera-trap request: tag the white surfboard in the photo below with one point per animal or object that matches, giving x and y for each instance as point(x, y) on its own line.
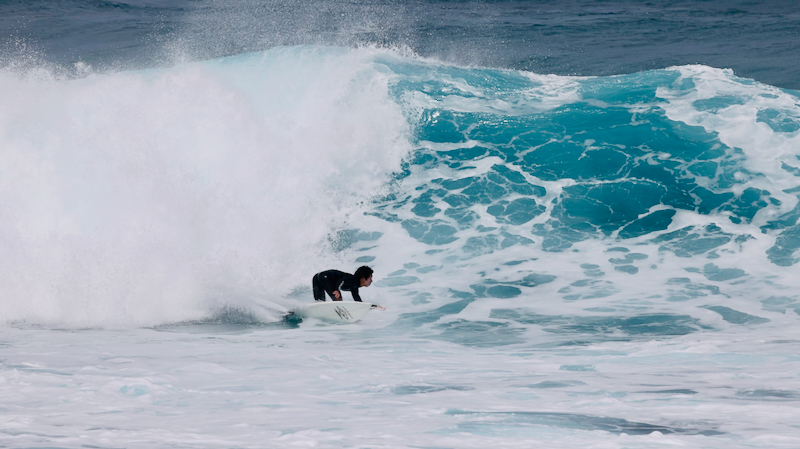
point(335, 311)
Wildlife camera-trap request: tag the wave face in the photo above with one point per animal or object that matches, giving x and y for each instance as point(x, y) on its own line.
point(656, 203)
point(643, 205)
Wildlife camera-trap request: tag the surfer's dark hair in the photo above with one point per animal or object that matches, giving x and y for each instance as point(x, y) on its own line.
point(363, 272)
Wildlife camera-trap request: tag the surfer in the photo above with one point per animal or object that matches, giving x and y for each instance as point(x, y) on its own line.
point(333, 282)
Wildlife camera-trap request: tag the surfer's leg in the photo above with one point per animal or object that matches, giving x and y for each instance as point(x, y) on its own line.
point(319, 292)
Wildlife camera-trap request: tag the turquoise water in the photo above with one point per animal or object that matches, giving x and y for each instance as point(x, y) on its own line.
point(649, 194)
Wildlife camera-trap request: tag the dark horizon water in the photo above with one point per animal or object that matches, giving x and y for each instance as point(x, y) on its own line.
point(757, 39)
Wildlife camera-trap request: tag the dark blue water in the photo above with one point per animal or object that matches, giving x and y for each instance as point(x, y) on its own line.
point(757, 39)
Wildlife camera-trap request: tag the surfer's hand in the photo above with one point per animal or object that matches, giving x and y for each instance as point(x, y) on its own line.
point(337, 295)
point(375, 306)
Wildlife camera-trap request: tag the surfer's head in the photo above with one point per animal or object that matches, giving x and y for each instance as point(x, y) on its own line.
point(364, 275)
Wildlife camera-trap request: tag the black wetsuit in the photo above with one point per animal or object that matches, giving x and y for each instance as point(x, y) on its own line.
point(331, 280)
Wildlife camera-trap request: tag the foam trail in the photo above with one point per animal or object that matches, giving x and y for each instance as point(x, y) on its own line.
point(139, 198)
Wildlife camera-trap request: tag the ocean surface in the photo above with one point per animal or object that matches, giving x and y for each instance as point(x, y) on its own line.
point(583, 219)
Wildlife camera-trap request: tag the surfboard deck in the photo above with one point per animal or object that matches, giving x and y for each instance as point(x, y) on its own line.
point(335, 311)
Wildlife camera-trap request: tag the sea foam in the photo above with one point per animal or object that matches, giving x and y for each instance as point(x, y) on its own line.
point(138, 198)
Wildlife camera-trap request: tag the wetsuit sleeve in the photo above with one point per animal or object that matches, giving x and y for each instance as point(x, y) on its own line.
point(356, 296)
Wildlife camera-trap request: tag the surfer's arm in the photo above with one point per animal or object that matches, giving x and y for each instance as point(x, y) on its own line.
point(335, 295)
point(356, 296)
point(332, 284)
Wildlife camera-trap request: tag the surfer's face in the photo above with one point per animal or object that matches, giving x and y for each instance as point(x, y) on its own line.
point(366, 282)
